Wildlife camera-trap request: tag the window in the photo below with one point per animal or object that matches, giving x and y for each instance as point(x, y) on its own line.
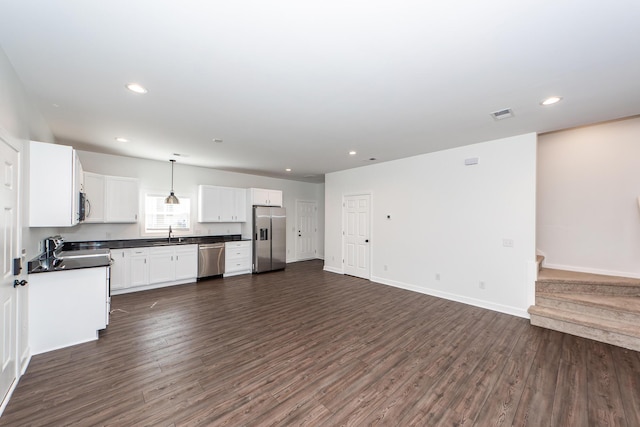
point(159, 216)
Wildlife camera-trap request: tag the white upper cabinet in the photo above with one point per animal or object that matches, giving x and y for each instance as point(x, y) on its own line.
point(111, 198)
point(263, 197)
point(121, 199)
point(221, 204)
point(54, 185)
point(94, 188)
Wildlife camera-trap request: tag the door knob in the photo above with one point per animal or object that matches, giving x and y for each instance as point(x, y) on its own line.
point(366, 241)
point(19, 283)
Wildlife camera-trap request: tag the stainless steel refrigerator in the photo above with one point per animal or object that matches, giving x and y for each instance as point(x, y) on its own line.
point(269, 238)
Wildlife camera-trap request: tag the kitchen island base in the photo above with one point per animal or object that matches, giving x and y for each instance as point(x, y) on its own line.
point(67, 307)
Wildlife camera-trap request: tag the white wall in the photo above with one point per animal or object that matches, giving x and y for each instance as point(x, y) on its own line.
point(155, 177)
point(448, 219)
point(588, 185)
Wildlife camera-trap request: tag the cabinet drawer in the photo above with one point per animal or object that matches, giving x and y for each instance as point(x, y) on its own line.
point(237, 265)
point(238, 244)
point(237, 253)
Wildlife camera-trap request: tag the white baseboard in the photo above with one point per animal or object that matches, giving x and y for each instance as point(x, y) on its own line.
point(153, 286)
point(332, 269)
point(591, 270)
point(514, 311)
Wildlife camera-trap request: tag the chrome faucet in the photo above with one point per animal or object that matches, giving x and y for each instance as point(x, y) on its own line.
point(170, 231)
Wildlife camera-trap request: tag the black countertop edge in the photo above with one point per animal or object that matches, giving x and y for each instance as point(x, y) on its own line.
point(140, 243)
point(42, 264)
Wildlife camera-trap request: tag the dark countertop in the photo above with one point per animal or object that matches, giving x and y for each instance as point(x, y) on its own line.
point(89, 254)
point(140, 243)
point(70, 261)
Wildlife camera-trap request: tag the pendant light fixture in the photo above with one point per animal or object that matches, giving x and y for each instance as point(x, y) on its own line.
point(171, 198)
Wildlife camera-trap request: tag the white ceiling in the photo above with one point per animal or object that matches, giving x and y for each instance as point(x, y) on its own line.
point(297, 84)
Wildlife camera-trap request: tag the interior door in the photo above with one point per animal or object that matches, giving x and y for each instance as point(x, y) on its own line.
point(355, 227)
point(306, 219)
point(9, 250)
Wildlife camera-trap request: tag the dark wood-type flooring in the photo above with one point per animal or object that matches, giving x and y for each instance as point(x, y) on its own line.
point(307, 347)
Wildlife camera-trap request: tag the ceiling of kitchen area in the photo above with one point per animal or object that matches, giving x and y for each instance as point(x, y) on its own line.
point(298, 84)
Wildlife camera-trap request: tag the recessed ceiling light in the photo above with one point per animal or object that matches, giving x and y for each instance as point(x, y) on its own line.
point(218, 140)
point(55, 105)
point(121, 139)
point(288, 169)
point(135, 87)
point(551, 100)
point(180, 155)
point(352, 153)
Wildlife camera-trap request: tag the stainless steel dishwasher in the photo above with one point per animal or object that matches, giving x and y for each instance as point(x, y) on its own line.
point(210, 260)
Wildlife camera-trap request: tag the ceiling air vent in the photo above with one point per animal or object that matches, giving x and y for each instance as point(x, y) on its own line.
point(502, 114)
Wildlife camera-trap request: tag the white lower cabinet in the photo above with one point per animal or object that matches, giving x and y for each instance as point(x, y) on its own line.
point(171, 263)
point(138, 267)
point(146, 268)
point(237, 258)
point(119, 269)
point(67, 307)
point(186, 262)
point(161, 265)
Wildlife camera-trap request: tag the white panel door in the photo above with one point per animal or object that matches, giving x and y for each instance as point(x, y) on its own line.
point(356, 235)
point(306, 214)
point(8, 250)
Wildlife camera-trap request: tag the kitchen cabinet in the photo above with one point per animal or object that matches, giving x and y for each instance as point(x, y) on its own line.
point(161, 264)
point(138, 267)
point(54, 185)
point(67, 307)
point(264, 197)
point(237, 258)
point(121, 199)
point(171, 263)
point(152, 267)
point(221, 204)
point(120, 269)
point(111, 199)
point(94, 189)
point(186, 262)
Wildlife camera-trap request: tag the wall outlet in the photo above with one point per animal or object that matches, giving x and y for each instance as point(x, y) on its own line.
point(482, 285)
point(385, 267)
point(333, 258)
point(507, 243)
point(437, 276)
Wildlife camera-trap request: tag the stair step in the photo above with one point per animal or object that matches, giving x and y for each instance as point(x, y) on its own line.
point(626, 309)
point(583, 287)
point(616, 332)
point(539, 259)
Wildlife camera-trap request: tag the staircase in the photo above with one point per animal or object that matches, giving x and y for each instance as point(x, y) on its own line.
point(602, 308)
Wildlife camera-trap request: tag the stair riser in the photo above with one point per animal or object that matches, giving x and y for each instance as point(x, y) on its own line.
point(608, 337)
point(582, 288)
point(602, 312)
